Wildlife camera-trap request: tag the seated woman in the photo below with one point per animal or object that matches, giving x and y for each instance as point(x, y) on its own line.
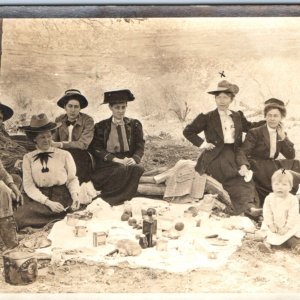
point(118, 147)
point(10, 196)
point(49, 178)
point(76, 132)
point(262, 146)
point(223, 130)
point(10, 150)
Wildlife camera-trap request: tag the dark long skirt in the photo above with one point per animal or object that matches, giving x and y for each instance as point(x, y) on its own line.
point(223, 168)
point(84, 164)
point(35, 214)
point(116, 182)
point(264, 169)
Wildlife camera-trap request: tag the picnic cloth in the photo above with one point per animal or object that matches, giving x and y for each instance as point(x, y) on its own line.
point(192, 250)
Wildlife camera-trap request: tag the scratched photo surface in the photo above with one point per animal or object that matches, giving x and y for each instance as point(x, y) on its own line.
point(169, 64)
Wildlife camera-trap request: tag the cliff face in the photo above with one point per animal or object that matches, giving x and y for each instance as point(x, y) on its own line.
point(166, 62)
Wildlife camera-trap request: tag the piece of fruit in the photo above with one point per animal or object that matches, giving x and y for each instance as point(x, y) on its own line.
point(194, 210)
point(132, 222)
point(179, 226)
point(125, 217)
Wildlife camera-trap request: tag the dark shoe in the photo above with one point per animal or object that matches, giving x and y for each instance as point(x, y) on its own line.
point(8, 232)
point(262, 247)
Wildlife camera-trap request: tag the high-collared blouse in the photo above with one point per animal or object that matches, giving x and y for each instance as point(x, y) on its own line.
point(61, 170)
point(273, 141)
point(227, 126)
point(81, 135)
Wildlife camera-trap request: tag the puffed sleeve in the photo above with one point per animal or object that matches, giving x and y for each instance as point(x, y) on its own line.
point(72, 180)
point(267, 211)
point(30, 187)
point(139, 141)
point(293, 212)
point(192, 130)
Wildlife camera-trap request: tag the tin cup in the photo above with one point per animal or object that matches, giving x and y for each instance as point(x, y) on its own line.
point(80, 231)
point(99, 238)
point(72, 220)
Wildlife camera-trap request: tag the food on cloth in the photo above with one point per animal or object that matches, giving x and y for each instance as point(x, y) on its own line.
point(128, 248)
point(194, 210)
point(179, 226)
point(125, 217)
point(132, 222)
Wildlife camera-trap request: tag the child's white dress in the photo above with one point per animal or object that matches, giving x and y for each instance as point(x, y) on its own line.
point(282, 213)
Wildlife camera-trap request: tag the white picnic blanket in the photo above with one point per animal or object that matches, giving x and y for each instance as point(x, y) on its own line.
point(190, 251)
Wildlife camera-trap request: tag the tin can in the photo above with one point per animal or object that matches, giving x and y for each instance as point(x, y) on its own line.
point(99, 238)
point(20, 268)
point(143, 241)
point(80, 231)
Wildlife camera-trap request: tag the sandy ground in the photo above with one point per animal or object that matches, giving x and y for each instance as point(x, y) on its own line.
point(247, 270)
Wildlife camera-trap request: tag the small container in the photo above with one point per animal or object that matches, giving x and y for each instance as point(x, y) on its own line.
point(162, 244)
point(99, 238)
point(72, 220)
point(143, 241)
point(80, 231)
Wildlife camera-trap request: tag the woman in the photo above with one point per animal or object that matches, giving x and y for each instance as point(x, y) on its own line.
point(118, 147)
point(10, 196)
point(262, 146)
point(49, 178)
point(76, 132)
point(11, 152)
point(223, 130)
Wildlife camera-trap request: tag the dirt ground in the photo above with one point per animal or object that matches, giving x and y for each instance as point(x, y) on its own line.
point(247, 270)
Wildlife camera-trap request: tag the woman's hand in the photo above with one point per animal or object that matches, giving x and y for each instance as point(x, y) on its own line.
point(283, 230)
point(76, 202)
point(57, 144)
point(243, 170)
point(273, 228)
point(119, 161)
point(280, 131)
point(209, 146)
point(54, 206)
point(129, 161)
point(16, 194)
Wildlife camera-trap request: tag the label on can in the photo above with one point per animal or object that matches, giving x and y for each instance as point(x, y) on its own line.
point(99, 238)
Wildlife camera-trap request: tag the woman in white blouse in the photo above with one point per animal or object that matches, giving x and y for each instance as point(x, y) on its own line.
point(49, 178)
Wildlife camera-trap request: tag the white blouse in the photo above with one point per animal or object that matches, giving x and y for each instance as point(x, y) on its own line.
point(227, 126)
point(62, 170)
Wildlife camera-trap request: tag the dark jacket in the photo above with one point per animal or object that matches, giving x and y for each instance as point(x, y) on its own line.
point(134, 133)
point(210, 123)
point(257, 146)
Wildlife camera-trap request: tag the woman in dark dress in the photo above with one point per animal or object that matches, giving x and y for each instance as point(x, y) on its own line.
point(118, 147)
point(223, 130)
point(262, 146)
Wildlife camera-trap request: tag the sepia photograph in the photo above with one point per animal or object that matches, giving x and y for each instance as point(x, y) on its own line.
point(149, 155)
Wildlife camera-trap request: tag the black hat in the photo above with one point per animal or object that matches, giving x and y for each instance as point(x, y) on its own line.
point(274, 101)
point(114, 97)
point(225, 86)
point(6, 111)
point(72, 94)
point(40, 123)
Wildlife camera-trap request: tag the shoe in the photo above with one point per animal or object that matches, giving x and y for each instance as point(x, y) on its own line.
point(262, 247)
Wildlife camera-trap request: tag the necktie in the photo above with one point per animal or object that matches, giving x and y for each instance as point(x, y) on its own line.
point(43, 157)
point(120, 137)
point(68, 123)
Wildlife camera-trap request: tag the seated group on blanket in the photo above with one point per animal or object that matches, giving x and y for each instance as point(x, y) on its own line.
point(73, 150)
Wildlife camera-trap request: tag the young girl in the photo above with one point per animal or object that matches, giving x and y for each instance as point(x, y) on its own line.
point(281, 214)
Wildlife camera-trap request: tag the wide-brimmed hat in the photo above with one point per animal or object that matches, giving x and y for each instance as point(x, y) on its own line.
point(275, 103)
point(119, 96)
point(6, 111)
point(225, 86)
point(40, 123)
point(72, 94)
